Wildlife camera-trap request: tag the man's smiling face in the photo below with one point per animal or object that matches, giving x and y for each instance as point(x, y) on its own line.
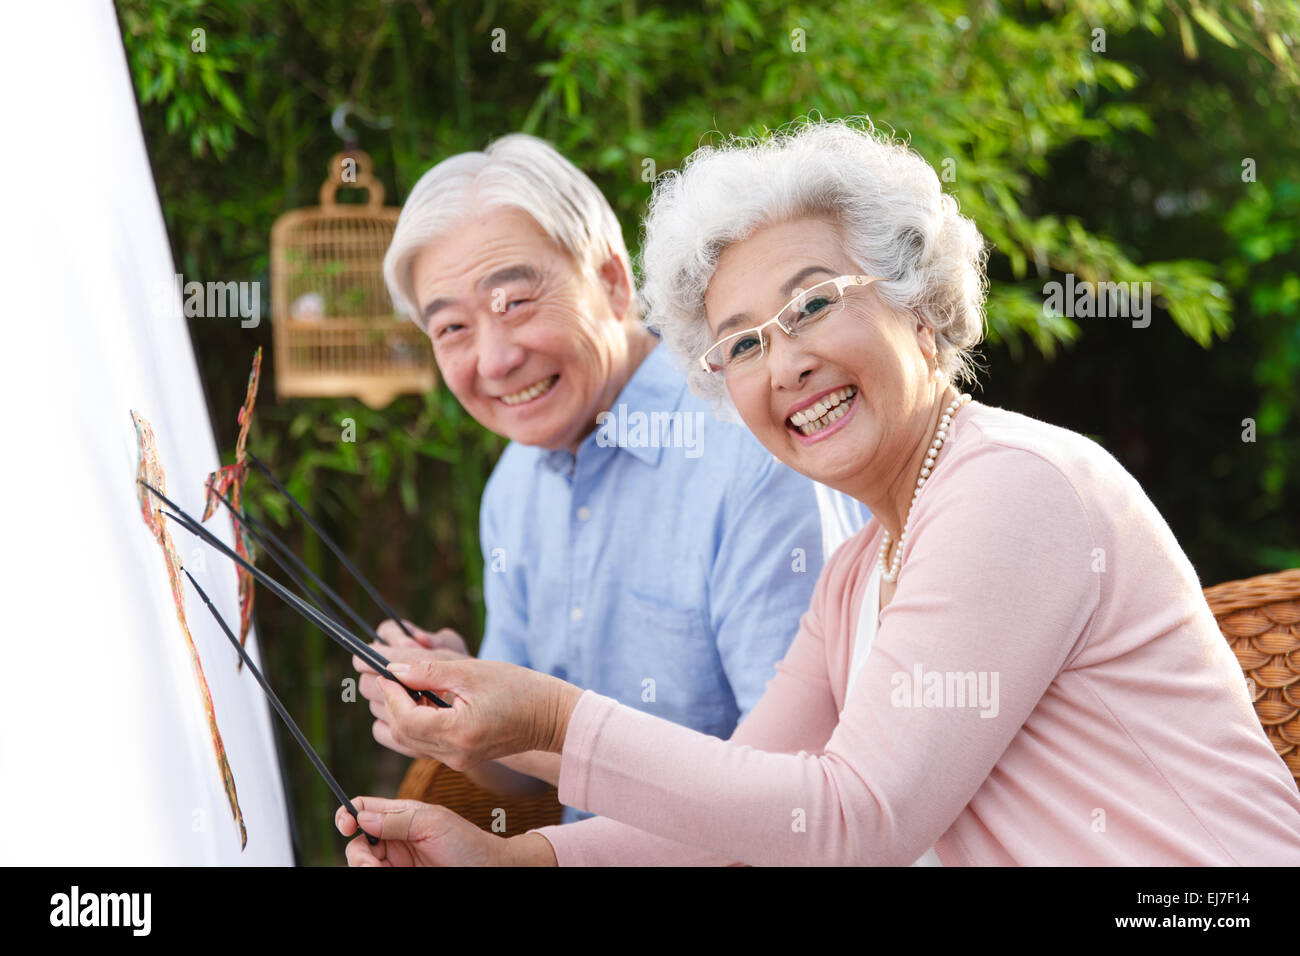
point(524, 339)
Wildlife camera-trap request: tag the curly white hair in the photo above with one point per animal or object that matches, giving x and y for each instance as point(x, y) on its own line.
point(896, 221)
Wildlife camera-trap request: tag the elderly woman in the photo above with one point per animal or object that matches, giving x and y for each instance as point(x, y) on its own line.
point(1012, 663)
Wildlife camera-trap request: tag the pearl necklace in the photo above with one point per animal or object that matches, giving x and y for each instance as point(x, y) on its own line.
point(889, 569)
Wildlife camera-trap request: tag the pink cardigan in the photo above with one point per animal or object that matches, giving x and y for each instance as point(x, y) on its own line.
point(1114, 728)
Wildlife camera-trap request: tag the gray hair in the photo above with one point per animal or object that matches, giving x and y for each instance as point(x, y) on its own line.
point(896, 221)
point(517, 170)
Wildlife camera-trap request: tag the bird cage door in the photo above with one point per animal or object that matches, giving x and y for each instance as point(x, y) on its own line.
point(334, 327)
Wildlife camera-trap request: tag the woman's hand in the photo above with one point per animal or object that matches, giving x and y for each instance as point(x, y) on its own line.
point(445, 644)
point(421, 834)
point(368, 684)
point(413, 834)
point(497, 709)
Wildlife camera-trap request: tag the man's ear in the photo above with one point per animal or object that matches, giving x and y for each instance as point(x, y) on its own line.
point(616, 283)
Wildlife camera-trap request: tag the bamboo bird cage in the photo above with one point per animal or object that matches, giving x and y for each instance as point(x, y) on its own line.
point(334, 328)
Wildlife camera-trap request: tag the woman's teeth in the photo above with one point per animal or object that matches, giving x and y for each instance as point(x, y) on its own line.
point(830, 408)
point(531, 392)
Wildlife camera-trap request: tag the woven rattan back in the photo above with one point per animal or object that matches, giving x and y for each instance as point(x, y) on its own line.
point(333, 323)
point(1260, 617)
point(432, 782)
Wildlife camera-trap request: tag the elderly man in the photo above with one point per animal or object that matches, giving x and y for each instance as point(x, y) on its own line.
point(634, 543)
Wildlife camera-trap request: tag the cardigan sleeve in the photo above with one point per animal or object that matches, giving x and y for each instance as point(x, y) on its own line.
point(796, 712)
point(995, 595)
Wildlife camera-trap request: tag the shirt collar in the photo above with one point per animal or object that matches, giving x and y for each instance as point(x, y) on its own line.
point(655, 386)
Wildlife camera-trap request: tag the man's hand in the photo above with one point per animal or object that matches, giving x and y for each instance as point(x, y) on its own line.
point(445, 639)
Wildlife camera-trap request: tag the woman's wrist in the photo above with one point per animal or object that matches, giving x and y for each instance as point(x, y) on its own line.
point(527, 849)
point(561, 700)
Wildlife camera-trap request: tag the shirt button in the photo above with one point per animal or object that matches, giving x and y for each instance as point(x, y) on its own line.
point(584, 513)
point(576, 614)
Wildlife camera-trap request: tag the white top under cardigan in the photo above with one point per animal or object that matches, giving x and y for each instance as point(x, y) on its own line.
point(868, 622)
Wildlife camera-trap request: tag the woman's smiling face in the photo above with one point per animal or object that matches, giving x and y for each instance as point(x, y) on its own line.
point(876, 361)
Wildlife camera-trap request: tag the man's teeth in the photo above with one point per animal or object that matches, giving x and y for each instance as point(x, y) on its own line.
point(531, 392)
point(830, 408)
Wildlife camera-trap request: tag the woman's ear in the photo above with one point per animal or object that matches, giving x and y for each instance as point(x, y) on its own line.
point(925, 339)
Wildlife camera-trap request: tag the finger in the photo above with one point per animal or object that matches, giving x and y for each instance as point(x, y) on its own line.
point(375, 805)
point(379, 710)
point(395, 698)
point(429, 674)
point(361, 666)
point(417, 725)
point(409, 653)
point(359, 852)
point(386, 804)
point(393, 634)
point(344, 822)
point(393, 824)
point(369, 687)
point(422, 637)
point(383, 735)
point(447, 639)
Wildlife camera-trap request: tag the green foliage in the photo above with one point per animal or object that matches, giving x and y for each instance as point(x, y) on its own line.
point(1115, 162)
point(171, 67)
point(425, 452)
point(1265, 227)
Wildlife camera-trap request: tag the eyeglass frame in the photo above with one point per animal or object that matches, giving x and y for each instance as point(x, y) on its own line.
point(841, 283)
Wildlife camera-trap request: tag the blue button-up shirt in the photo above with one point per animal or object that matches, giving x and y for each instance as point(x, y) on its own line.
point(666, 565)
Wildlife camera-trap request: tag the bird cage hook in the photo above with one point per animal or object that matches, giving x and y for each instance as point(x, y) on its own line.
point(339, 120)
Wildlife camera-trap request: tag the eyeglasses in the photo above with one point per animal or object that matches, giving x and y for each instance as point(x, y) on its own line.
point(742, 351)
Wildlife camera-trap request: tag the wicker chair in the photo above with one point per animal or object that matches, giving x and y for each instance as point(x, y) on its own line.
point(1259, 617)
point(432, 782)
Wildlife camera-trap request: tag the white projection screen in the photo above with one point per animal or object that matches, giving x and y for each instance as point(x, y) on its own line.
point(104, 741)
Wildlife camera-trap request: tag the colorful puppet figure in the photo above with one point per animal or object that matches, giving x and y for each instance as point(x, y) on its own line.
point(152, 473)
point(229, 482)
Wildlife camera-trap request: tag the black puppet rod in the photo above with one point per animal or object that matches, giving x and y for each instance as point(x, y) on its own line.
point(332, 628)
point(329, 543)
point(298, 735)
point(284, 557)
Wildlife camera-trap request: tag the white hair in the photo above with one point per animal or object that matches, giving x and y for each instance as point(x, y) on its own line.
point(517, 170)
point(896, 223)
